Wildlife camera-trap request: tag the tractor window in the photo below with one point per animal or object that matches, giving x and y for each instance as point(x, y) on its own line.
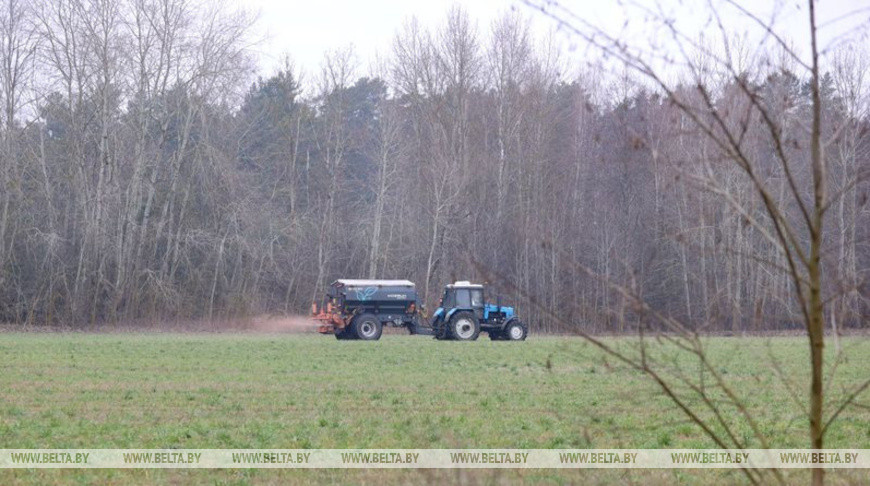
point(477, 298)
point(447, 300)
point(462, 298)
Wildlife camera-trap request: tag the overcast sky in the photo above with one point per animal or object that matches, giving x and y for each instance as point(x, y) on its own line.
point(307, 29)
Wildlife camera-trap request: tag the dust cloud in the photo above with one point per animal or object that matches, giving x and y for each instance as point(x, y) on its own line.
point(289, 324)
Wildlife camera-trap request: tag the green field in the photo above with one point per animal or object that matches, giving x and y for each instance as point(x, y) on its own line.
point(310, 391)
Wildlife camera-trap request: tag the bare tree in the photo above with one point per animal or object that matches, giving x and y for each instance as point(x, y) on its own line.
point(794, 220)
point(18, 43)
point(332, 142)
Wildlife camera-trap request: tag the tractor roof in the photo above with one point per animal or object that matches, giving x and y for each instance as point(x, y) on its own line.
point(374, 283)
point(464, 284)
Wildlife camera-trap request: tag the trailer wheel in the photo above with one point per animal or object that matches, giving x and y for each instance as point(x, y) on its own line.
point(367, 327)
point(464, 326)
point(344, 334)
point(516, 331)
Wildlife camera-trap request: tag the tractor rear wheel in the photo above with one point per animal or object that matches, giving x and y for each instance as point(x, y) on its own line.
point(516, 331)
point(464, 326)
point(367, 327)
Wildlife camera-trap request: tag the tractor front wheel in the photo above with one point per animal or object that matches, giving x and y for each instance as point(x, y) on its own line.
point(367, 327)
point(516, 331)
point(464, 326)
point(496, 336)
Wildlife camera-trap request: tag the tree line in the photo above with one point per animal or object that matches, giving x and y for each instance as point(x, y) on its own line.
point(145, 177)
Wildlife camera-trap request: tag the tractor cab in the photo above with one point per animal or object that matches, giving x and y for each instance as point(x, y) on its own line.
point(464, 295)
point(463, 313)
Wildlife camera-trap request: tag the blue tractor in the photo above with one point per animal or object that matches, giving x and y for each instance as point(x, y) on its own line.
point(464, 313)
point(360, 309)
